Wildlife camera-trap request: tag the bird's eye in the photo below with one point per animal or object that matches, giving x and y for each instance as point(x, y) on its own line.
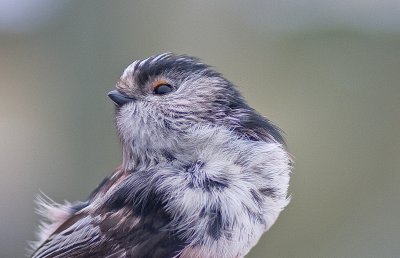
point(162, 89)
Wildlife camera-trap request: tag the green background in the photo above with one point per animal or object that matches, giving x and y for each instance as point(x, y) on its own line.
point(329, 77)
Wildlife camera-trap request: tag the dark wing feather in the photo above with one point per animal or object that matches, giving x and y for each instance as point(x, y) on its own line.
point(114, 230)
point(77, 236)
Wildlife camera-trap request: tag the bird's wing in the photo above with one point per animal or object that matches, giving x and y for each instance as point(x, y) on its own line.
point(109, 235)
point(113, 230)
point(79, 236)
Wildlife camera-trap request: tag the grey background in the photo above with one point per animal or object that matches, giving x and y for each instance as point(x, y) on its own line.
point(326, 72)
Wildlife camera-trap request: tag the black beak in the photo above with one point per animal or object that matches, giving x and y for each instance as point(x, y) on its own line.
point(119, 98)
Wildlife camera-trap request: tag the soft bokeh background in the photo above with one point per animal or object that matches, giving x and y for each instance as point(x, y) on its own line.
point(328, 73)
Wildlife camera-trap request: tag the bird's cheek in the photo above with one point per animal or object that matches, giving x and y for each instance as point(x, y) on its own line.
point(127, 111)
point(125, 116)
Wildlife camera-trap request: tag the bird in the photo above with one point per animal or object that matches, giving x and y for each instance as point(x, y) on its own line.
point(203, 174)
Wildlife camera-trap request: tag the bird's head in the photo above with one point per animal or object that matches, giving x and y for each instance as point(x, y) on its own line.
point(161, 98)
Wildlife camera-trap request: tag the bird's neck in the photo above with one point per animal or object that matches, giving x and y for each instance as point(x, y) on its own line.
point(136, 158)
point(185, 147)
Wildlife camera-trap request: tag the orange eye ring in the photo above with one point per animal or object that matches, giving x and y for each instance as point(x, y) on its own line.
point(161, 87)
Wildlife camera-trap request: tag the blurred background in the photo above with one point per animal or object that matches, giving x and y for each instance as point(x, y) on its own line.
point(327, 72)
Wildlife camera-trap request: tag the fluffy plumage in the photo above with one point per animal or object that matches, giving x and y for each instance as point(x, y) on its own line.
point(203, 174)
